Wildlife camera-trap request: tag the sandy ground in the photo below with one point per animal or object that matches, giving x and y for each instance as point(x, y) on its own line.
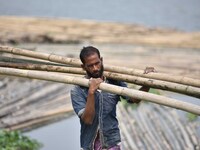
point(42, 30)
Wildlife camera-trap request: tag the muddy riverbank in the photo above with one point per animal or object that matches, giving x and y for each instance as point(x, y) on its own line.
point(17, 30)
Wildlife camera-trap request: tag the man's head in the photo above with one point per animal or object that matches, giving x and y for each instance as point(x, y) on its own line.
point(92, 61)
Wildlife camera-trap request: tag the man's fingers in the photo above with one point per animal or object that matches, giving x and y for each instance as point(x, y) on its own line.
point(95, 81)
point(149, 69)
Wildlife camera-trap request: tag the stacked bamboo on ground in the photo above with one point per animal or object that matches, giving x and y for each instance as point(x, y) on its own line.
point(27, 104)
point(156, 127)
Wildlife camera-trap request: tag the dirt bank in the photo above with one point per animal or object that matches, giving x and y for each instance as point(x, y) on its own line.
point(16, 30)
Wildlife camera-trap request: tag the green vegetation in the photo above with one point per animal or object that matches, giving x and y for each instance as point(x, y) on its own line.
point(14, 140)
point(128, 104)
point(192, 117)
point(134, 105)
point(154, 91)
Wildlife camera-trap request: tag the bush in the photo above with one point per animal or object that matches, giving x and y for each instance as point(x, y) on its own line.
point(14, 140)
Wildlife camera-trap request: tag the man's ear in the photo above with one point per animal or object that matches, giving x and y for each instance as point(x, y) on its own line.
point(101, 59)
point(82, 66)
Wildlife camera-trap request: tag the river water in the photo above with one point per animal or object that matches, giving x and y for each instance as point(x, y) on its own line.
point(178, 14)
point(62, 135)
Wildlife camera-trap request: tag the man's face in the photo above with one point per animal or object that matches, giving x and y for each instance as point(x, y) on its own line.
point(93, 66)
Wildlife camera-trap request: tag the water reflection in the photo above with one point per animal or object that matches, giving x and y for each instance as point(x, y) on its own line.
point(63, 135)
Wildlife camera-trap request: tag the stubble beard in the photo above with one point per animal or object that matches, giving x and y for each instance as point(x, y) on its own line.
point(98, 74)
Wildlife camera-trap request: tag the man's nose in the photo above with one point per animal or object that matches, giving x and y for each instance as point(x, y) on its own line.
point(95, 67)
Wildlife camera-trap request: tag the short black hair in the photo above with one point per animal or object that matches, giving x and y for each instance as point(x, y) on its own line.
point(87, 51)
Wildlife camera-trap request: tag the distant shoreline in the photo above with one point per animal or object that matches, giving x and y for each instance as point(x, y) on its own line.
point(17, 30)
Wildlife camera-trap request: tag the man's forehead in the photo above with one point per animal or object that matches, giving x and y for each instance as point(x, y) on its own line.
point(92, 59)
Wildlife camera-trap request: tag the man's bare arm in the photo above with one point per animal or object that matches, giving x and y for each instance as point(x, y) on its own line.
point(89, 113)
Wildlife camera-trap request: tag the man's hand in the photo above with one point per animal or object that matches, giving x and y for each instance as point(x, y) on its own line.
point(149, 69)
point(94, 84)
point(146, 71)
point(144, 88)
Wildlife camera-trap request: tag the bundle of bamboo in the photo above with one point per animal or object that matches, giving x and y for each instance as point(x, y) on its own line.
point(183, 85)
point(156, 124)
point(38, 104)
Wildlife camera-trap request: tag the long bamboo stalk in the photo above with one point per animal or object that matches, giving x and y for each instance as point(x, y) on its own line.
point(22, 93)
point(43, 67)
point(143, 136)
point(37, 122)
point(158, 76)
point(123, 70)
point(193, 134)
point(103, 86)
point(145, 116)
point(129, 140)
point(149, 136)
point(161, 131)
point(158, 84)
point(20, 60)
point(152, 117)
point(31, 99)
point(182, 127)
point(133, 130)
point(170, 125)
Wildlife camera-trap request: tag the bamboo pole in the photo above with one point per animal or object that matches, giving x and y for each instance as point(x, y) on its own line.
point(158, 84)
point(193, 134)
point(20, 60)
point(131, 121)
point(143, 134)
point(123, 70)
point(41, 119)
point(181, 126)
point(145, 130)
point(170, 125)
point(144, 117)
point(165, 128)
point(153, 75)
point(31, 99)
point(103, 86)
point(36, 122)
point(43, 67)
point(130, 142)
point(22, 93)
point(41, 55)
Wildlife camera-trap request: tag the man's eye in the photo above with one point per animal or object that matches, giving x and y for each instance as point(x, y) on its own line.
point(89, 66)
point(97, 63)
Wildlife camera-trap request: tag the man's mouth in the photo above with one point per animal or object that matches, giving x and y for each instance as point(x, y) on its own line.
point(96, 74)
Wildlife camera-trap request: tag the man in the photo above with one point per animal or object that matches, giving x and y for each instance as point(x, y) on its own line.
point(97, 109)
